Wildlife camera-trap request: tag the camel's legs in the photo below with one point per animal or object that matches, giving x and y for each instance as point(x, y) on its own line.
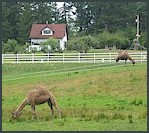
point(125, 62)
point(33, 112)
point(56, 106)
point(51, 106)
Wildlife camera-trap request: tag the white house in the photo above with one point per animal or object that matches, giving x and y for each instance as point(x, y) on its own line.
point(42, 32)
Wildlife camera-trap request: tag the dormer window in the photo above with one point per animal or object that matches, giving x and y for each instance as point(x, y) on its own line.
point(47, 31)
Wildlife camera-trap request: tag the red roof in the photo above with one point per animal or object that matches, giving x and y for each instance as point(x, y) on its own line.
point(59, 30)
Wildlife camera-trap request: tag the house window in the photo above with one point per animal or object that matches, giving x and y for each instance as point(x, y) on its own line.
point(47, 31)
point(35, 43)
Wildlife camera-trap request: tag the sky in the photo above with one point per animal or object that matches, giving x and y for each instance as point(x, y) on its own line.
point(60, 4)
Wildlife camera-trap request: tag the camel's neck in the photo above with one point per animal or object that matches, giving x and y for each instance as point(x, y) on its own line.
point(130, 58)
point(21, 106)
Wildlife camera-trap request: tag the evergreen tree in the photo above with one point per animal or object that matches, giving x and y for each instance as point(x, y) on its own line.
point(91, 17)
point(26, 19)
point(42, 11)
point(10, 16)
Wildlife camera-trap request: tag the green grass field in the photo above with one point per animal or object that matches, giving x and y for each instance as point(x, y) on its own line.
point(92, 97)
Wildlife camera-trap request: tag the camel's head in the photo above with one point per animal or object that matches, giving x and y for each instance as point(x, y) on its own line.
point(15, 115)
point(133, 62)
point(117, 59)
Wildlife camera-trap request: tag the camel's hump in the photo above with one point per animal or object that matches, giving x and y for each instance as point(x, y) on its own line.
point(38, 91)
point(40, 87)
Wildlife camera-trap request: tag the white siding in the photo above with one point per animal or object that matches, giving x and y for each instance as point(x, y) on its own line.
point(63, 41)
point(39, 41)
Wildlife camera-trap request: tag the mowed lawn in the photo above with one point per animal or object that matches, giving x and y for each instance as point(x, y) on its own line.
point(92, 97)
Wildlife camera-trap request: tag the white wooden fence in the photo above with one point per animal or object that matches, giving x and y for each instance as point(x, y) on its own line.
point(68, 57)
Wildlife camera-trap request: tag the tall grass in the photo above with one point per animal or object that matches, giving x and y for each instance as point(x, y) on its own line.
point(112, 98)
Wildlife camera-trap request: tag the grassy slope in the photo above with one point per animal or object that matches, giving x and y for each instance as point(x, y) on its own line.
point(112, 98)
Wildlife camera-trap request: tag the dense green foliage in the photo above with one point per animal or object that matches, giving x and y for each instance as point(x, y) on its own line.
point(12, 46)
point(118, 39)
point(100, 41)
point(106, 97)
point(50, 45)
point(109, 16)
point(91, 18)
point(82, 44)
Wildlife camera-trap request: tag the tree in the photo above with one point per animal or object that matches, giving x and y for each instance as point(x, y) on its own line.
point(55, 13)
point(50, 45)
point(10, 16)
point(84, 18)
point(96, 17)
point(82, 44)
point(11, 46)
point(92, 18)
point(26, 19)
point(110, 39)
point(42, 12)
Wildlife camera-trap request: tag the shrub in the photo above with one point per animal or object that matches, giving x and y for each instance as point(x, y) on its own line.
point(111, 39)
point(52, 43)
point(11, 46)
point(143, 39)
point(45, 49)
point(82, 44)
point(33, 50)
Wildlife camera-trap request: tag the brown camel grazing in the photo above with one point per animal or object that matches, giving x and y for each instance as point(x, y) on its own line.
point(124, 56)
point(37, 96)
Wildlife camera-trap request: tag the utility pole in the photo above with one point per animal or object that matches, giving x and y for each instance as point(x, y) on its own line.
point(138, 23)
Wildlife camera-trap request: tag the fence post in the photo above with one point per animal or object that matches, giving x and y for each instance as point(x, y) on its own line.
point(110, 56)
point(94, 57)
point(32, 57)
point(79, 58)
point(48, 57)
point(103, 60)
point(2, 59)
point(63, 58)
point(17, 57)
point(141, 56)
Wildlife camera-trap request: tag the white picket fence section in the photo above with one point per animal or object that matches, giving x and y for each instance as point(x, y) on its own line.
point(68, 57)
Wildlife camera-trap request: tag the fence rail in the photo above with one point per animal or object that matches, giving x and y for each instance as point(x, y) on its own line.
point(68, 57)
